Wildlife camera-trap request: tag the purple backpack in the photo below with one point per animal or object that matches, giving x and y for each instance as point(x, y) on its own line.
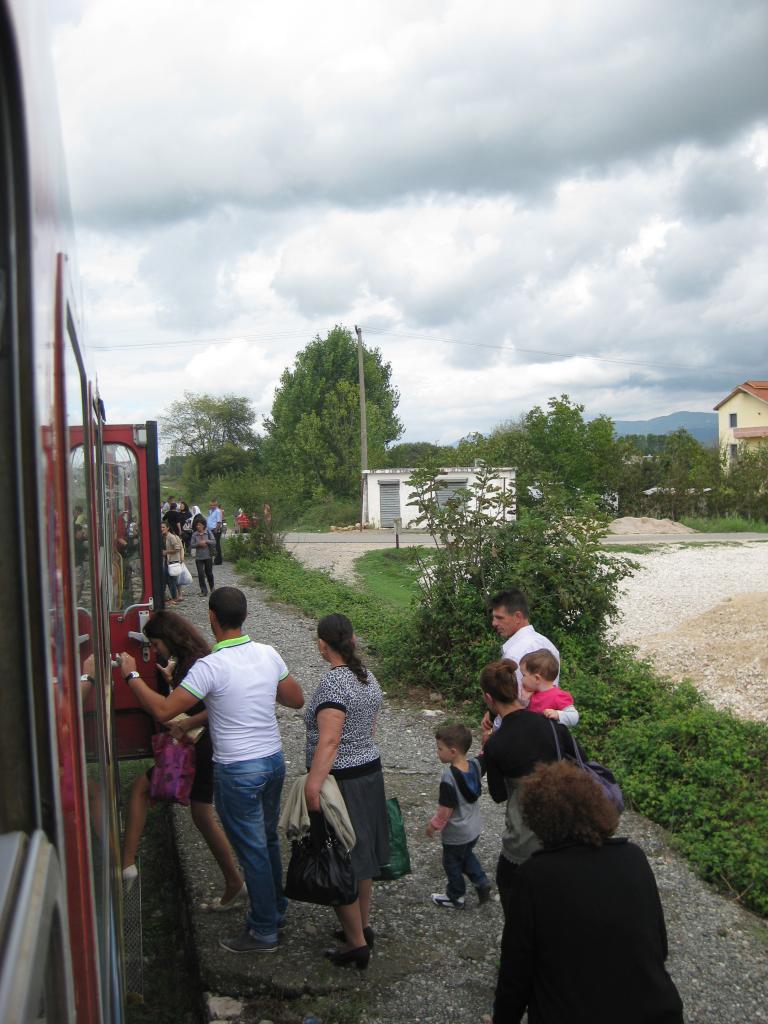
point(603, 776)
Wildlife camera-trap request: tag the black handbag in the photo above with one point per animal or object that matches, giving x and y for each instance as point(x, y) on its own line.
point(320, 869)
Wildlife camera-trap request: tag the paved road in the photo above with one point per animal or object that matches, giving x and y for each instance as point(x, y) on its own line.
point(411, 537)
point(384, 537)
point(683, 538)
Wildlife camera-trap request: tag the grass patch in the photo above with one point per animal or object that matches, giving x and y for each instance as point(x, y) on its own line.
point(316, 594)
point(391, 574)
point(726, 524)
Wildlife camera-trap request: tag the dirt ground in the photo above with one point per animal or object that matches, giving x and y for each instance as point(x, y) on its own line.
point(724, 652)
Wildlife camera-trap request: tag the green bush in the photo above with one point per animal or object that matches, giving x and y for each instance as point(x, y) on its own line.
point(699, 772)
point(552, 553)
point(320, 515)
point(726, 524)
point(257, 542)
point(704, 775)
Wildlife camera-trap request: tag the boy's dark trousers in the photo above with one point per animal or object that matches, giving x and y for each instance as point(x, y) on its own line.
point(458, 860)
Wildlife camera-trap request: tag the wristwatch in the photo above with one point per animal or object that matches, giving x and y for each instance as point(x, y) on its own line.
point(87, 679)
point(132, 675)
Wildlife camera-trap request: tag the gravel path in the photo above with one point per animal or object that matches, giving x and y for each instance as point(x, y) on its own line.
point(429, 968)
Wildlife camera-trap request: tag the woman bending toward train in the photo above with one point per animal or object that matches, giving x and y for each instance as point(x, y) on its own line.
point(177, 641)
point(340, 719)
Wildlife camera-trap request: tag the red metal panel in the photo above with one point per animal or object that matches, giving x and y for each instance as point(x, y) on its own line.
point(66, 686)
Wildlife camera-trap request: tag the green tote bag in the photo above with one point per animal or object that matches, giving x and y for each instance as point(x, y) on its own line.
point(399, 858)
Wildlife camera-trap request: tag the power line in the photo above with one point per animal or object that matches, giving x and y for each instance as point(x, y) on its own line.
point(382, 332)
point(557, 355)
point(162, 343)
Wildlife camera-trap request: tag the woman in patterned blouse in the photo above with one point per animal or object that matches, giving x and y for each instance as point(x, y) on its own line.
point(340, 718)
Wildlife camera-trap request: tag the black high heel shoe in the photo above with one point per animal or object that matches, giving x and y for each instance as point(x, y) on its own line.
point(368, 934)
point(358, 958)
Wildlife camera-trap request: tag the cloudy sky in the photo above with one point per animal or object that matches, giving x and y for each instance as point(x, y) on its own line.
point(513, 201)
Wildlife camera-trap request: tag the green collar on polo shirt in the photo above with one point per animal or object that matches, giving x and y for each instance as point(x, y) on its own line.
point(234, 642)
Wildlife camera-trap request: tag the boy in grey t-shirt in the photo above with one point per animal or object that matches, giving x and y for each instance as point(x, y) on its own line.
point(457, 818)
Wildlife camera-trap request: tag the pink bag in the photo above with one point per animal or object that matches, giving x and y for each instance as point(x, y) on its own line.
point(174, 770)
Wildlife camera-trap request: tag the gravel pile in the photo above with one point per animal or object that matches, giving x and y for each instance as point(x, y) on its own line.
point(646, 525)
point(699, 612)
point(433, 966)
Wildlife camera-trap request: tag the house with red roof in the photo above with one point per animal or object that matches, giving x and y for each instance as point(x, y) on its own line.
point(743, 417)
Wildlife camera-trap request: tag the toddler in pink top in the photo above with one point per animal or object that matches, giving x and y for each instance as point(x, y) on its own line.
point(539, 670)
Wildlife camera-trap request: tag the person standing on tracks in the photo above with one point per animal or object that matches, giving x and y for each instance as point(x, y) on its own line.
point(239, 682)
point(215, 523)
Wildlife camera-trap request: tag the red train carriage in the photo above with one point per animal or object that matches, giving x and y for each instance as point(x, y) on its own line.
point(80, 562)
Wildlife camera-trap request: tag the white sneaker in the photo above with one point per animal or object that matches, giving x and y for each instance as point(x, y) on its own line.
point(130, 874)
point(441, 900)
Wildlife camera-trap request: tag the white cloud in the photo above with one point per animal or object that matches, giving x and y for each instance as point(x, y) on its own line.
point(571, 179)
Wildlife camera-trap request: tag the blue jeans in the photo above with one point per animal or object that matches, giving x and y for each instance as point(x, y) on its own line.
point(172, 584)
point(247, 795)
point(459, 860)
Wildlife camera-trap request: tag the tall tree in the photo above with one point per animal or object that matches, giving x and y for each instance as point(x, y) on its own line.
point(314, 426)
point(685, 469)
point(559, 449)
point(204, 424)
point(215, 434)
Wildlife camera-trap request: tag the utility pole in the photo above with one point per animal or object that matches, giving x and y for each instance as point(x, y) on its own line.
point(363, 424)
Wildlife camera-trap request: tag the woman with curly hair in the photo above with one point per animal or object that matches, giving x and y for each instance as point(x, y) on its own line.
point(180, 645)
point(584, 939)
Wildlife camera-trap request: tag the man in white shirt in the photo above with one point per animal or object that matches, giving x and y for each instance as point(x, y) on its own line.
point(509, 617)
point(239, 682)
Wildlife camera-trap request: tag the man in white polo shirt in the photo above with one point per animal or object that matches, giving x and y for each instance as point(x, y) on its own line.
point(240, 682)
point(509, 617)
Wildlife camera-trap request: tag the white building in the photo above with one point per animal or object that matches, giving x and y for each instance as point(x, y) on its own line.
point(386, 492)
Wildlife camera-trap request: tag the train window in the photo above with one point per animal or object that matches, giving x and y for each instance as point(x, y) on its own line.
point(95, 697)
point(124, 527)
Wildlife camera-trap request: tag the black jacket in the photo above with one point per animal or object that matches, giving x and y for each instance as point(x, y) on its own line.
point(585, 941)
point(521, 742)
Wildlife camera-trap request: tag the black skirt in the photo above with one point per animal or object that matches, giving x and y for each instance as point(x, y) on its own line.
point(367, 810)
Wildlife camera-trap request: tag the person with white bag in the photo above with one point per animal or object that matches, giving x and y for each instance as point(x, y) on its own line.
point(173, 560)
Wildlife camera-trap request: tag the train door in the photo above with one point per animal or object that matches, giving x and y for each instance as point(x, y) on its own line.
point(132, 566)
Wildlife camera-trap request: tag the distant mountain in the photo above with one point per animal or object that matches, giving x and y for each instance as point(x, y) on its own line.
point(702, 425)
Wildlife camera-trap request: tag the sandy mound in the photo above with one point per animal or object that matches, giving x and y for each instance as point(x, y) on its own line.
point(724, 652)
point(644, 524)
